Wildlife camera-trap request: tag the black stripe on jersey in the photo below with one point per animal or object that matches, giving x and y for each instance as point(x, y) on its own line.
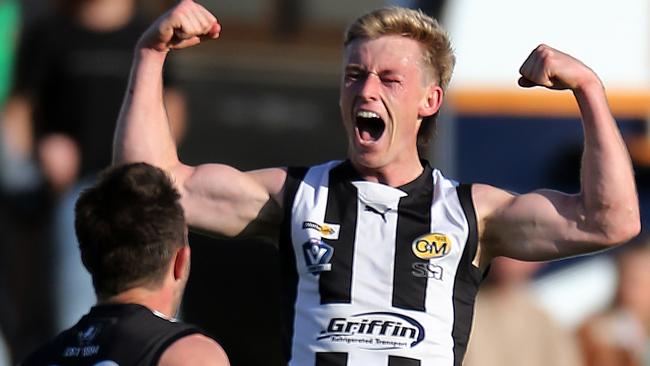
point(288, 268)
point(331, 359)
point(467, 279)
point(414, 220)
point(335, 286)
point(402, 361)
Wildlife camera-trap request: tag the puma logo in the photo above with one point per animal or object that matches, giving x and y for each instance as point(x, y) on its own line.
point(376, 211)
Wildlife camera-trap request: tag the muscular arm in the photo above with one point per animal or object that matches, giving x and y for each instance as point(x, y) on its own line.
point(547, 224)
point(217, 198)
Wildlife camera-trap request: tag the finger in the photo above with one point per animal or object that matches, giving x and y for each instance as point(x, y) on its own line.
point(546, 65)
point(202, 15)
point(525, 82)
point(215, 31)
point(210, 23)
point(191, 24)
point(539, 72)
point(189, 29)
point(208, 27)
point(189, 42)
point(169, 23)
point(181, 35)
point(526, 66)
point(528, 75)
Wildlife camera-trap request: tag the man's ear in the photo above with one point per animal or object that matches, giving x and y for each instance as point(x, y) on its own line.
point(431, 102)
point(182, 262)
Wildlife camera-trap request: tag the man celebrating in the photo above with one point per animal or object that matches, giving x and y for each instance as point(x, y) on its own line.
point(381, 254)
point(133, 240)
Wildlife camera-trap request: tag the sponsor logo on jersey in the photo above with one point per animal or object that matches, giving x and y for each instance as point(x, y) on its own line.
point(327, 231)
point(427, 270)
point(317, 256)
point(382, 213)
point(374, 331)
point(84, 351)
point(433, 245)
point(85, 342)
point(88, 335)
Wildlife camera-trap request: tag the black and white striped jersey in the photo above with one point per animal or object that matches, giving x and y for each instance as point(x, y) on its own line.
point(376, 275)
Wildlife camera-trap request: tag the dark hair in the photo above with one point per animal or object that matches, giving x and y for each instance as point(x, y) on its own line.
point(128, 225)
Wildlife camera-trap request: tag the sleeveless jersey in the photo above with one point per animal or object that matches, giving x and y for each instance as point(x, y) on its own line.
point(376, 275)
point(112, 335)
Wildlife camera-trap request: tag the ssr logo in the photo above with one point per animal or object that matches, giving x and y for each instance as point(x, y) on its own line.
point(317, 256)
point(433, 245)
point(374, 331)
point(427, 270)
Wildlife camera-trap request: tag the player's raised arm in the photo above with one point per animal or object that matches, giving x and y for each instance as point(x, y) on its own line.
point(217, 198)
point(547, 224)
point(143, 132)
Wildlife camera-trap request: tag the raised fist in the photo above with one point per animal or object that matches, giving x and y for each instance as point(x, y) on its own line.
point(553, 69)
point(184, 25)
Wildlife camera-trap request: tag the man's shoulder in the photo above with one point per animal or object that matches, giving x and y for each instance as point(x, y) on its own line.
point(489, 196)
point(194, 349)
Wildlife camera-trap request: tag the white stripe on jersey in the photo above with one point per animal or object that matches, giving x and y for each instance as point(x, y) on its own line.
point(375, 234)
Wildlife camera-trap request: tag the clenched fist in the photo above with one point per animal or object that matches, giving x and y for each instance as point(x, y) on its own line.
point(548, 67)
point(184, 25)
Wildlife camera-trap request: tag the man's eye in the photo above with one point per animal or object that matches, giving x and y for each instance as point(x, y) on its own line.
point(390, 81)
point(353, 75)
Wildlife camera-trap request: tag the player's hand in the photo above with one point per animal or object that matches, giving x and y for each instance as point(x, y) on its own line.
point(550, 68)
point(184, 25)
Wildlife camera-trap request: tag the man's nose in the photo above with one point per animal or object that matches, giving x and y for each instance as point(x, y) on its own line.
point(370, 85)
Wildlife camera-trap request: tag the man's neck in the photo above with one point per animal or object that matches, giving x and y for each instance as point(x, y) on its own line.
point(394, 175)
point(156, 300)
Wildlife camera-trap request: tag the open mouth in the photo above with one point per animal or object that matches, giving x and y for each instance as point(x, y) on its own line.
point(370, 125)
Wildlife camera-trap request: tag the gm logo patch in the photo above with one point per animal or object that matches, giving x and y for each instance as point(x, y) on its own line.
point(317, 256)
point(433, 245)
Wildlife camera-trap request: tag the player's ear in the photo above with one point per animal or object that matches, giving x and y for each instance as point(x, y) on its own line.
point(182, 262)
point(431, 102)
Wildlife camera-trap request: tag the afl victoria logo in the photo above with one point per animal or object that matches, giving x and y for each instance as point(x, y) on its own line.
point(433, 245)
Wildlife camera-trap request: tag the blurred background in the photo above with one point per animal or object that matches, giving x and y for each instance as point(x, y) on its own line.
point(266, 94)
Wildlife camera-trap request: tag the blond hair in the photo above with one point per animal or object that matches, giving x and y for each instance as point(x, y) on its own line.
point(413, 24)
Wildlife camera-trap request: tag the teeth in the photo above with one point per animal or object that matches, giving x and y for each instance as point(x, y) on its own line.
point(367, 114)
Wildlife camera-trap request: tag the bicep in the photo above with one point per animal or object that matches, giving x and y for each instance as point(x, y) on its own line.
point(540, 225)
point(222, 200)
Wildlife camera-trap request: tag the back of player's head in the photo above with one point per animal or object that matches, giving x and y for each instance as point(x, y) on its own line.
point(129, 225)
